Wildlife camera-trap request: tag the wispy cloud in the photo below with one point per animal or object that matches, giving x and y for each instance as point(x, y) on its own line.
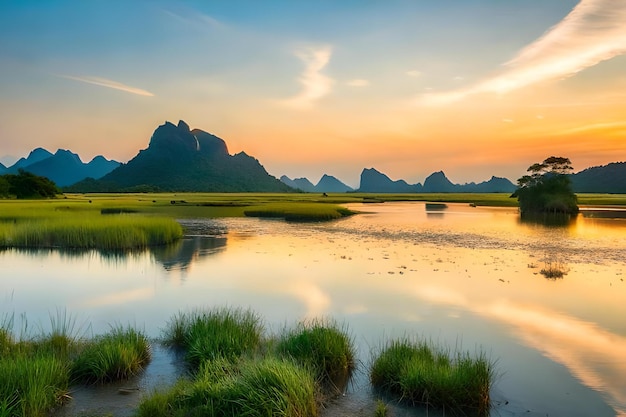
point(315, 85)
point(103, 82)
point(594, 31)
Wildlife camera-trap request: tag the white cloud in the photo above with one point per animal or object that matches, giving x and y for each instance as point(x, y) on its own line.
point(594, 31)
point(315, 85)
point(413, 73)
point(103, 82)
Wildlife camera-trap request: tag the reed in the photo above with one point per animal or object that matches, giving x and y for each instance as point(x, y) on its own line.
point(213, 334)
point(32, 384)
point(426, 375)
point(324, 347)
point(89, 232)
point(119, 354)
point(299, 212)
point(254, 388)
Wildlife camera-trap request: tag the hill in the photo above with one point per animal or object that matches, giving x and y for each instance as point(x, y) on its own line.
point(326, 184)
point(180, 159)
point(62, 167)
point(609, 178)
point(373, 181)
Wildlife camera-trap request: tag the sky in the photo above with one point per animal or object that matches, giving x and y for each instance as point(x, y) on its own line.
point(408, 87)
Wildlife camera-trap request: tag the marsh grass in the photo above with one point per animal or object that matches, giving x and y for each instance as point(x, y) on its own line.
point(324, 347)
point(381, 409)
point(90, 232)
point(246, 387)
point(423, 374)
point(299, 212)
point(119, 354)
point(32, 379)
point(32, 384)
point(213, 334)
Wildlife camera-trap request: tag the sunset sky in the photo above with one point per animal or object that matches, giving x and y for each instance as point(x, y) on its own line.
point(473, 88)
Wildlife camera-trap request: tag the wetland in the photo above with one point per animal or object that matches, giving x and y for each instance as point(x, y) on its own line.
point(460, 276)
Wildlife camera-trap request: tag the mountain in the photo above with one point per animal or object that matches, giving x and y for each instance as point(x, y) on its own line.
point(330, 184)
point(373, 181)
point(64, 167)
point(494, 185)
point(2, 168)
point(437, 182)
point(609, 178)
point(36, 155)
point(326, 184)
point(302, 184)
point(180, 159)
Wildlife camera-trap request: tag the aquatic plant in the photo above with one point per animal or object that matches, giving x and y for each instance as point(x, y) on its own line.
point(119, 354)
point(381, 409)
point(299, 212)
point(90, 232)
point(213, 334)
point(423, 374)
point(321, 345)
point(32, 384)
point(264, 387)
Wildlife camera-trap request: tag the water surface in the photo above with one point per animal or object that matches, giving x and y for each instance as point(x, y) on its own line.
point(460, 276)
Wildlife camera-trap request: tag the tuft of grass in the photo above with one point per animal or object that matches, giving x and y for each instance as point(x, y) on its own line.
point(117, 355)
point(254, 388)
point(299, 211)
point(323, 346)
point(426, 375)
point(89, 232)
point(32, 384)
point(213, 334)
point(381, 409)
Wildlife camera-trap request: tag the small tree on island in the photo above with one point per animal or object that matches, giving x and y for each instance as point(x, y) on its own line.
point(547, 189)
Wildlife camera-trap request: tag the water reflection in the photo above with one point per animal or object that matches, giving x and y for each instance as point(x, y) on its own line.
point(549, 219)
point(393, 271)
point(181, 255)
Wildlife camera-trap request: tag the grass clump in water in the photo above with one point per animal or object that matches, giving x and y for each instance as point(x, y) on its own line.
point(214, 334)
point(254, 388)
point(325, 348)
point(117, 355)
point(299, 212)
point(33, 378)
point(89, 232)
point(425, 375)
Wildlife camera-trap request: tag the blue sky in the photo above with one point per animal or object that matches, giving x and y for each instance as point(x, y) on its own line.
point(409, 87)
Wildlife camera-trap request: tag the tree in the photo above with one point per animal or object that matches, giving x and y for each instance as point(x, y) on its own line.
point(547, 189)
point(27, 185)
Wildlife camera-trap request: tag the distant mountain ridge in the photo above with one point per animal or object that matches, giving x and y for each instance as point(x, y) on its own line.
point(63, 167)
point(180, 159)
point(609, 178)
point(326, 184)
point(373, 181)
